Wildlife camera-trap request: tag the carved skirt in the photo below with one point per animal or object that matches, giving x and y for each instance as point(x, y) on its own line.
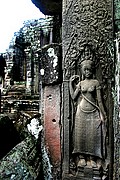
point(88, 133)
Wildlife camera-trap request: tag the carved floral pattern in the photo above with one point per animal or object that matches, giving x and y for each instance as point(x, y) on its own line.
point(88, 22)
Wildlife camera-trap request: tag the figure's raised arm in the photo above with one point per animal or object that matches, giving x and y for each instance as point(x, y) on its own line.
point(74, 91)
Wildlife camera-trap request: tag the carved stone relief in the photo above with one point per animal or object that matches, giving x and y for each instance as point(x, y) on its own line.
point(88, 123)
point(87, 35)
point(87, 23)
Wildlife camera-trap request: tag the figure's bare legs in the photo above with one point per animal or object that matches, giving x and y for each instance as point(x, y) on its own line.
point(91, 162)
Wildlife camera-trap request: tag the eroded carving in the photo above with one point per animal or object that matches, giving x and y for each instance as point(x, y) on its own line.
point(89, 121)
point(87, 24)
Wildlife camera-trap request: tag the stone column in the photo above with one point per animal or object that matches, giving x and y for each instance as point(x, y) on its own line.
point(87, 24)
point(50, 82)
point(28, 73)
point(117, 111)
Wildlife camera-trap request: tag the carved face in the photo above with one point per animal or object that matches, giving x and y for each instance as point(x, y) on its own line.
point(87, 70)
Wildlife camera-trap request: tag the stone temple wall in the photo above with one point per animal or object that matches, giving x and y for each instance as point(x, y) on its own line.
point(116, 21)
point(117, 110)
point(88, 24)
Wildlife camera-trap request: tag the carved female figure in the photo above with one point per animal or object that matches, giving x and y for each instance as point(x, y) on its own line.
point(89, 131)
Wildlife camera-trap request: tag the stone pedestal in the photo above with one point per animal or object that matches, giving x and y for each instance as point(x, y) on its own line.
point(86, 172)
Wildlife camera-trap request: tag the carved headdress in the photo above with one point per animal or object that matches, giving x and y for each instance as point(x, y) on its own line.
point(87, 62)
point(87, 55)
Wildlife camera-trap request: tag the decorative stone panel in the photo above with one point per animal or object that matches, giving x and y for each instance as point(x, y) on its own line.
point(87, 34)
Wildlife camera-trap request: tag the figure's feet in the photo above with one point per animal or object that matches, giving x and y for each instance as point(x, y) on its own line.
point(81, 163)
point(91, 164)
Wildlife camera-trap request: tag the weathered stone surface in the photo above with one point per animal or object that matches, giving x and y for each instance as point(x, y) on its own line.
point(9, 137)
point(88, 24)
point(25, 159)
point(49, 7)
point(22, 162)
point(66, 127)
point(22, 54)
point(117, 112)
point(16, 100)
point(51, 64)
point(52, 127)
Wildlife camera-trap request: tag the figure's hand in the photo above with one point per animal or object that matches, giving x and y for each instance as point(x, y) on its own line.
point(74, 77)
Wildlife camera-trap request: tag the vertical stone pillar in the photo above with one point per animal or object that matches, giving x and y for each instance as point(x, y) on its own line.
point(87, 24)
point(28, 75)
point(117, 111)
point(117, 91)
point(50, 68)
